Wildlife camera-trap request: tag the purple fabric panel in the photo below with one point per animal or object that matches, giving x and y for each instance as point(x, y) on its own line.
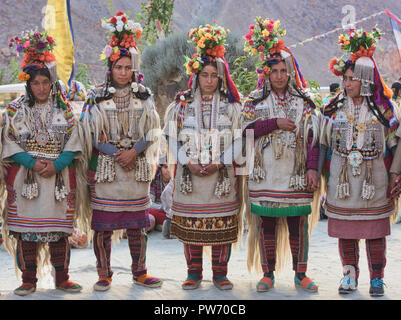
point(312, 157)
point(262, 127)
point(358, 229)
point(108, 221)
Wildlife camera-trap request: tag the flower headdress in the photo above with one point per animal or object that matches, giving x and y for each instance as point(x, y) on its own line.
point(264, 39)
point(209, 44)
point(37, 48)
point(124, 36)
point(360, 45)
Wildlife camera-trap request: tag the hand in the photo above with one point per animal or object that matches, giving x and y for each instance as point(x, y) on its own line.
point(211, 168)
point(196, 169)
point(126, 158)
point(49, 170)
point(312, 180)
point(394, 186)
point(38, 166)
point(286, 124)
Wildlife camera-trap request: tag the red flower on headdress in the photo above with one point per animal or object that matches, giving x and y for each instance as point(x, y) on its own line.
point(119, 13)
point(114, 41)
point(115, 56)
point(332, 63)
point(50, 39)
point(277, 47)
point(113, 20)
point(362, 52)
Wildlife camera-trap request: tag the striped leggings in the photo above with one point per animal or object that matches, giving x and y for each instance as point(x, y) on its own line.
point(375, 251)
point(299, 242)
point(220, 257)
point(27, 255)
point(137, 240)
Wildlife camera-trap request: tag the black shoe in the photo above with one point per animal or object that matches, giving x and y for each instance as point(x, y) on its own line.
point(376, 287)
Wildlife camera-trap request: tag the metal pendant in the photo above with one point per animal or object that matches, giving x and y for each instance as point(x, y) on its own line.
point(42, 138)
point(355, 159)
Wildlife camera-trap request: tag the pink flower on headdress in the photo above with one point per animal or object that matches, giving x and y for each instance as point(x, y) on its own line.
point(108, 51)
point(26, 44)
point(50, 39)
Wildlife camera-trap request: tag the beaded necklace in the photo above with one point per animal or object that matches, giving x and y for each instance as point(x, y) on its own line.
point(206, 109)
point(122, 98)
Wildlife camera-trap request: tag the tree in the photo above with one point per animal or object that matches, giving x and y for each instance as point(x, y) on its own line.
point(155, 18)
point(9, 74)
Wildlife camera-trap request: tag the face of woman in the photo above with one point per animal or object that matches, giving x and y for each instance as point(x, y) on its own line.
point(279, 77)
point(41, 87)
point(122, 72)
point(351, 86)
point(208, 80)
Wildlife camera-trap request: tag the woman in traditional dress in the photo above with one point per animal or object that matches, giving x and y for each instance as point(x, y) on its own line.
point(121, 126)
point(201, 127)
point(42, 151)
point(284, 176)
point(359, 131)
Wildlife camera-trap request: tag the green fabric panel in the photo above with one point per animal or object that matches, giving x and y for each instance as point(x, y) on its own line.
point(281, 212)
point(63, 160)
point(93, 163)
point(23, 158)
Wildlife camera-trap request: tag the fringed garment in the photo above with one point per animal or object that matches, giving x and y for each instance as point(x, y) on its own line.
point(276, 185)
point(36, 204)
point(358, 168)
point(120, 198)
point(42, 210)
point(205, 209)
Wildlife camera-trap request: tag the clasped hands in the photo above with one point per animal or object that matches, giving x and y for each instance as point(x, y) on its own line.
point(45, 168)
point(203, 170)
point(126, 158)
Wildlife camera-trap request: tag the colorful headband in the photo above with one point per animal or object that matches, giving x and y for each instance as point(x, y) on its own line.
point(124, 37)
point(37, 48)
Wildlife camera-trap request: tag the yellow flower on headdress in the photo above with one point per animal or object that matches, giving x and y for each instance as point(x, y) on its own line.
point(276, 24)
point(247, 49)
point(265, 32)
point(201, 43)
point(254, 51)
point(196, 65)
point(284, 32)
point(200, 32)
point(208, 35)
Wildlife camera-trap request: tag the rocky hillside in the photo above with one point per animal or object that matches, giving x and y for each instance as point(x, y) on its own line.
point(302, 19)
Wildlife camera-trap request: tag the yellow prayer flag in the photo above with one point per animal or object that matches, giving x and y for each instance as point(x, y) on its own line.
point(58, 25)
